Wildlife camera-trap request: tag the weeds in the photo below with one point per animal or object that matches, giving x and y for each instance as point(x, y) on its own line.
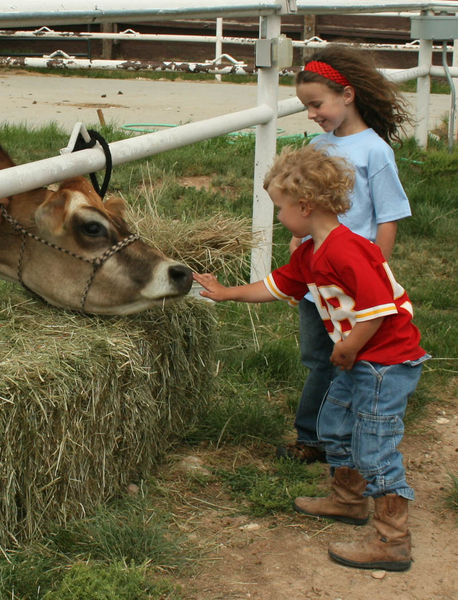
point(451, 498)
point(113, 582)
point(123, 551)
point(264, 493)
point(131, 531)
point(237, 415)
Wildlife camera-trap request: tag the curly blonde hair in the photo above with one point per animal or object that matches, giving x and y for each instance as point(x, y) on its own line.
point(377, 98)
point(310, 174)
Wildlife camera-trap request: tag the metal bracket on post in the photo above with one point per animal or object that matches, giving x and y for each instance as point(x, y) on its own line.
point(288, 7)
point(217, 61)
point(282, 52)
point(263, 53)
point(434, 27)
point(59, 54)
point(276, 52)
point(78, 128)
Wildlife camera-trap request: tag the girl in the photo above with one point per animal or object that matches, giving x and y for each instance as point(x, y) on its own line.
point(360, 112)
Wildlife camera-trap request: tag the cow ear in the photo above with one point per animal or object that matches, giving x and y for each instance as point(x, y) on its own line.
point(82, 185)
point(115, 206)
point(50, 215)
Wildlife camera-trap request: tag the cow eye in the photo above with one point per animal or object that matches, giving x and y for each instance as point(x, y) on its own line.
point(94, 229)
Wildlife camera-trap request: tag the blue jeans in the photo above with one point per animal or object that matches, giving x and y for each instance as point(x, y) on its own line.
point(316, 349)
point(361, 423)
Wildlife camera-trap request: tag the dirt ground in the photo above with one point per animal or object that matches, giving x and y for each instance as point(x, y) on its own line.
point(38, 99)
point(285, 557)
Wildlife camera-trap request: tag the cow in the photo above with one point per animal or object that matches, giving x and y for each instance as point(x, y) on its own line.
point(76, 252)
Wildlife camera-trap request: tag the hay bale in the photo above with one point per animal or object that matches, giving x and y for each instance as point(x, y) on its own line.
point(88, 403)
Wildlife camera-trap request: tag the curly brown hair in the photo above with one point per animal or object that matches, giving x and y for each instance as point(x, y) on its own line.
point(377, 99)
point(310, 174)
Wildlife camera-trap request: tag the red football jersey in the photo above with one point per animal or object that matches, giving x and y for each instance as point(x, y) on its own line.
point(351, 282)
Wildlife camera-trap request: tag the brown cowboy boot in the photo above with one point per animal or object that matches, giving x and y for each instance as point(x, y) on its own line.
point(345, 503)
point(388, 548)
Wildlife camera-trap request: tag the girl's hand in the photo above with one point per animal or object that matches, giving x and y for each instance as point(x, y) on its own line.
point(213, 289)
point(294, 244)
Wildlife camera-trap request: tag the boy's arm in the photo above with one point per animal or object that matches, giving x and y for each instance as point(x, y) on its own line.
point(344, 353)
point(385, 237)
point(251, 292)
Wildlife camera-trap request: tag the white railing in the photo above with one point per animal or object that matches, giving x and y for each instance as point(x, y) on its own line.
point(64, 60)
point(130, 35)
point(26, 177)
point(223, 64)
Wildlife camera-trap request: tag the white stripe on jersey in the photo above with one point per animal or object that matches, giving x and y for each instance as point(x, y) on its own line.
point(271, 286)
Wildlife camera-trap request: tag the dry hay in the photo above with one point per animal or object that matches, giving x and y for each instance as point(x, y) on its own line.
point(218, 244)
point(87, 404)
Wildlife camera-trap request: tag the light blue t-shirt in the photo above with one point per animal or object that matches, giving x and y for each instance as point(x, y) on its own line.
point(378, 195)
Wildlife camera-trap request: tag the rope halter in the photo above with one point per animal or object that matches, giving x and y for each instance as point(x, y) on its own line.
point(96, 262)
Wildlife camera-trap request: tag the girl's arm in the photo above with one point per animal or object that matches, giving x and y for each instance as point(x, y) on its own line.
point(294, 244)
point(386, 236)
point(344, 353)
point(251, 292)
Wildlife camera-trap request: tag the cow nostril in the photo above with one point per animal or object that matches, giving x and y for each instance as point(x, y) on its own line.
point(181, 276)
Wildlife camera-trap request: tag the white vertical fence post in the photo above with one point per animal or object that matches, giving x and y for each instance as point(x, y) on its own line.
point(219, 43)
point(266, 145)
point(455, 83)
point(425, 57)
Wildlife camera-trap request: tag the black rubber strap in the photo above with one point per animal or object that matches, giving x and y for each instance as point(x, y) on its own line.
point(81, 144)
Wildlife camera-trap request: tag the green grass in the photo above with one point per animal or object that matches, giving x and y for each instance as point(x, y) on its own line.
point(112, 582)
point(133, 548)
point(128, 531)
point(451, 499)
point(260, 493)
point(33, 577)
point(129, 549)
point(438, 86)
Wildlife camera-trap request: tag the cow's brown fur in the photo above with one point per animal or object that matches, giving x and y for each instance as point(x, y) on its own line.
point(74, 218)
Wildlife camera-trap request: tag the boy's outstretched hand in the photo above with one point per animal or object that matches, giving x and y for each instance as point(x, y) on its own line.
point(250, 292)
point(213, 289)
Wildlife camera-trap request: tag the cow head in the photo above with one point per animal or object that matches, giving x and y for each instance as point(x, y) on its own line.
point(76, 251)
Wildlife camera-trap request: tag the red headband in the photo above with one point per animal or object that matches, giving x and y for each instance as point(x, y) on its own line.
point(325, 70)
